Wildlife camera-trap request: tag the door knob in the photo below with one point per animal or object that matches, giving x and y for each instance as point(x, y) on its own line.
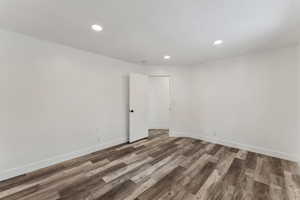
point(131, 110)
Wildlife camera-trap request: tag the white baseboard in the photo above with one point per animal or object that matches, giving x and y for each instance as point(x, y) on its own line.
point(57, 159)
point(268, 152)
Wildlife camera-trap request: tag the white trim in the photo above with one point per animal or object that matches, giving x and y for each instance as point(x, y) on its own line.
point(57, 159)
point(261, 150)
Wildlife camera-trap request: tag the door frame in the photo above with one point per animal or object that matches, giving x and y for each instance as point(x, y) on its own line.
point(170, 95)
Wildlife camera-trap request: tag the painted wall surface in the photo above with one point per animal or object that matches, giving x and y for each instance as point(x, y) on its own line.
point(55, 101)
point(298, 138)
point(252, 101)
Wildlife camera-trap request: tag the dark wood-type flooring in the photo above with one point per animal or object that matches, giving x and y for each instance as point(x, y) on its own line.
point(161, 168)
point(158, 133)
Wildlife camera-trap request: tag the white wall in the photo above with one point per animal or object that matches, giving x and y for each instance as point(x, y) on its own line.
point(57, 102)
point(299, 101)
point(159, 102)
point(249, 101)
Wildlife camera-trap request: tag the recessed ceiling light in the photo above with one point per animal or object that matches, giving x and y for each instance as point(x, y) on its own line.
point(218, 42)
point(167, 57)
point(97, 27)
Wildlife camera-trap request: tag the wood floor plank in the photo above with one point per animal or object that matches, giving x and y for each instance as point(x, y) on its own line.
point(261, 191)
point(278, 194)
point(251, 160)
point(161, 168)
point(148, 172)
point(141, 189)
point(198, 180)
point(115, 174)
point(156, 191)
point(119, 192)
point(207, 189)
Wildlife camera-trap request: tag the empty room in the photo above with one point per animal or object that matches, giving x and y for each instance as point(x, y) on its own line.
point(149, 100)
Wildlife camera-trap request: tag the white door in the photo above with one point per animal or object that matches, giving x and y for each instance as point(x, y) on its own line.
point(159, 102)
point(138, 102)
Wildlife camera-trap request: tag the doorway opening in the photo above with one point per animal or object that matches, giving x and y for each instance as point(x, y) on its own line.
point(159, 105)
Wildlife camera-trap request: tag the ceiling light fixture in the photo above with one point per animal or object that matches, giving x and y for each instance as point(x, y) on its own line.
point(97, 27)
point(167, 57)
point(218, 42)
